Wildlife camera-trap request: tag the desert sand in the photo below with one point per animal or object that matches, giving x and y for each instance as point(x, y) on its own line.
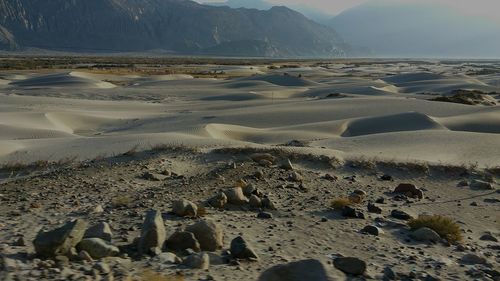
point(368, 119)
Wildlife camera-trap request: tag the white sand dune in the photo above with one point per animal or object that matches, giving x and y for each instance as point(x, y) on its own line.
point(68, 114)
point(58, 80)
point(412, 121)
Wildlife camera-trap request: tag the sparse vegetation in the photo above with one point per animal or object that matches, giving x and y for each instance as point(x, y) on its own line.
point(444, 226)
point(340, 203)
point(121, 201)
point(132, 151)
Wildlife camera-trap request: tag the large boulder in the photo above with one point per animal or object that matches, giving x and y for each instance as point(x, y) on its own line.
point(184, 208)
point(425, 234)
point(208, 233)
point(97, 248)
point(197, 261)
point(241, 250)
point(235, 196)
point(350, 265)
point(60, 241)
point(153, 232)
point(296, 271)
point(480, 185)
point(101, 230)
point(182, 240)
point(218, 201)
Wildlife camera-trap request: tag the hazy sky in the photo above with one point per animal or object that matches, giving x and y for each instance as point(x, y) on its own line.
point(486, 8)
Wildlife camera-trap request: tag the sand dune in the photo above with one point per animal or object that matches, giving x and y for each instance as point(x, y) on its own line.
point(58, 80)
point(378, 113)
point(411, 121)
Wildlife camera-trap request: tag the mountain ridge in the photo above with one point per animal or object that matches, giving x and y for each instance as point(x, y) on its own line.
point(177, 26)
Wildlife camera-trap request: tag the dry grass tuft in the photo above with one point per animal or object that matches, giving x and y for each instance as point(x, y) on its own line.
point(167, 147)
point(132, 151)
point(281, 153)
point(121, 201)
point(444, 226)
point(149, 275)
point(340, 203)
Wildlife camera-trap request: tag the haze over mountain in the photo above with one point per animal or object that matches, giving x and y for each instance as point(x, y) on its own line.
point(310, 12)
point(423, 29)
point(174, 26)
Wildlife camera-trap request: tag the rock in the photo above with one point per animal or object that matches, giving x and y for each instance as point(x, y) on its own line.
point(84, 256)
point(100, 230)
point(257, 157)
point(372, 230)
point(409, 190)
point(360, 192)
point(425, 234)
point(268, 204)
point(60, 240)
point(208, 233)
point(182, 240)
point(350, 212)
point(153, 232)
point(463, 183)
point(168, 258)
point(386, 177)
point(356, 198)
point(184, 208)
point(350, 265)
point(7, 264)
point(296, 177)
point(235, 196)
point(488, 237)
point(153, 176)
point(98, 209)
point(197, 261)
point(287, 165)
point(265, 163)
point(255, 201)
point(398, 214)
point(330, 177)
point(102, 268)
point(215, 259)
point(372, 208)
point(264, 215)
point(241, 183)
point(97, 248)
point(241, 250)
point(480, 185)
point(472, 259)
point(20, 242)
point(249, 189)
point(389, 274)
point(218, 201)
point(259, 174)
point(304, 270)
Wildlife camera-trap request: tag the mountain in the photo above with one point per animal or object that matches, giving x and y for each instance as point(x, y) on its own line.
point(176, 26)
point(423, 29)
point(311, 13)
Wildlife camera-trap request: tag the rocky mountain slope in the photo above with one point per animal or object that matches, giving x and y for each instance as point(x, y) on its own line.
point(176, 26)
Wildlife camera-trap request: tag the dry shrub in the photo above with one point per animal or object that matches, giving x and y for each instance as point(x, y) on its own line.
point(167, 147)
point(132, 151)
point(340, 203)
point(444, 226)
point(149, 275)
point(121, 201)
